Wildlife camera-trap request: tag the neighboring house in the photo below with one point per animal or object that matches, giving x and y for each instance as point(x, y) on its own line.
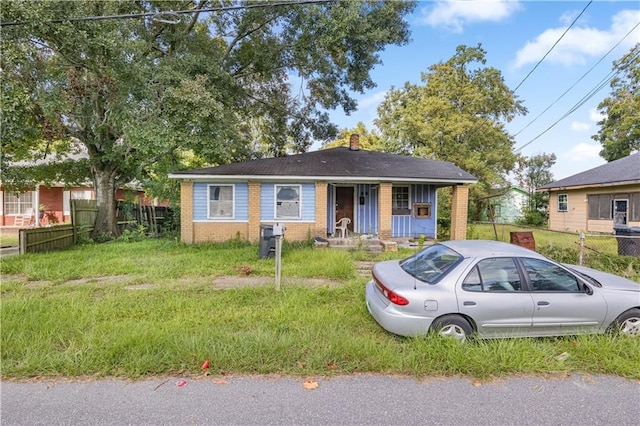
point(51, 204)
point(598, 198)
point(55, 202)
point(384, 195)
point(507, 206)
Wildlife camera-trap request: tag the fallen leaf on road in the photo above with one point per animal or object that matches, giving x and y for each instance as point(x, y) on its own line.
point(181, 383)
point(220, 382)
point(310, 384)
point(476, 383)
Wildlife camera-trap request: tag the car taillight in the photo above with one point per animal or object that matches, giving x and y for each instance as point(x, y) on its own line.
point(389, 294)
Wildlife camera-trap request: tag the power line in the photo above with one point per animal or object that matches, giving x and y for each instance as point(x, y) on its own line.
point(173, 16)
point(580, 103)
point(578, 81)
point(552, 47)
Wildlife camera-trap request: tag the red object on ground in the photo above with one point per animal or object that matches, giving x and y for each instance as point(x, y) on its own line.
point(205, 365)
point(181, 383)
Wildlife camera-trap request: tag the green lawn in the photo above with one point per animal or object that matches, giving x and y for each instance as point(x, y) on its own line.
point(149, 308)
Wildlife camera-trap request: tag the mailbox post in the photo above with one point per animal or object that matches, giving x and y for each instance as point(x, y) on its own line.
point(278, 233)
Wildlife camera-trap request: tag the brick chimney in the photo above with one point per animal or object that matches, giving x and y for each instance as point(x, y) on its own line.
point(354, 142)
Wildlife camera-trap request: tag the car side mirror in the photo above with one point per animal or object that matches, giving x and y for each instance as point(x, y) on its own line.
point(587, 289)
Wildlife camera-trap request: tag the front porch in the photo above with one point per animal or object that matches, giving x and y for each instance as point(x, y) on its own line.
point(367, 243)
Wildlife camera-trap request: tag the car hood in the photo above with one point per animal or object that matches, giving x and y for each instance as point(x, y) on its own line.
point(608, 281)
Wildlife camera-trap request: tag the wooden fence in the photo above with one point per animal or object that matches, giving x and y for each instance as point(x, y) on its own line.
point(83, 219)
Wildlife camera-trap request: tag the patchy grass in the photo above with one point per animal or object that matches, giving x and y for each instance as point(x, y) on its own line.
point(148, 308)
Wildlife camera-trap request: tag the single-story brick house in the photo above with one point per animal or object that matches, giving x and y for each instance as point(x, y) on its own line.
point(52, 203)
point(56, 202)
point(596, 199)
point(385, 195)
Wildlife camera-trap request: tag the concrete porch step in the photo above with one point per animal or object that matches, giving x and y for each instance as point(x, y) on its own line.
point(354, 243)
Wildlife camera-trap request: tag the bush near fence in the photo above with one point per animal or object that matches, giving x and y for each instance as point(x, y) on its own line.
point(155, 220)
point(605, 252)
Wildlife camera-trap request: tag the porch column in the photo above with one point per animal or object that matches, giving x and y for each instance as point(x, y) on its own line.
point(321, 209)
point(385, 208)
point(459, 210)
point(253, 233)
point(186, 212)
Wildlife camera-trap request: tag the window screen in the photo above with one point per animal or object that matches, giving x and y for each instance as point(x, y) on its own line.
point(287, 201)
point(220, 201)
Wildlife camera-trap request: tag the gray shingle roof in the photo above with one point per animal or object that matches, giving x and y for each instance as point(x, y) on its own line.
point(341, 163)
point(623, 171)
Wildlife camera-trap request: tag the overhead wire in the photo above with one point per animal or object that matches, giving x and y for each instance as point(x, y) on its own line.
point(552, 47)
point(578, 81)
point(168, 16)
point(580, 103)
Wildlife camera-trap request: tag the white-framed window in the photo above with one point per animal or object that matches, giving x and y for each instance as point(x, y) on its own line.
point(563, 203)
point(288, 201)
point(221, 205)
point(400, 200)
point(81, 194)
point(17, 204)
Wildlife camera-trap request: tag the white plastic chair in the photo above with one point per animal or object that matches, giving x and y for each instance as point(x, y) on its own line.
point(341, 226)
point(24, 219)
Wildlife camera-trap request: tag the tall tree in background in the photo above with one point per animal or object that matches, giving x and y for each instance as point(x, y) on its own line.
point(143, 96)
point(456, 115)
point(532, 173)
point(619, 131)
point(369, 140)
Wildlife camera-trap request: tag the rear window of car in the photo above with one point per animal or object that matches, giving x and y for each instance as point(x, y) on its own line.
point(431, 264)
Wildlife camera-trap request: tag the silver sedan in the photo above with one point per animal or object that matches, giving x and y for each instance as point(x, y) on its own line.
point(493, 289)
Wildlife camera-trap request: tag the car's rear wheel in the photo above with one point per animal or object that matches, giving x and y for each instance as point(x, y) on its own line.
point(627, 323)
point(453, 326)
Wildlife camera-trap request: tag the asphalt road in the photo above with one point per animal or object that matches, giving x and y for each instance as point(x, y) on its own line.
point(348, 400)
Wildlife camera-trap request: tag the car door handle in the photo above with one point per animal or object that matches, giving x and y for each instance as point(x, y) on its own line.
point(469, 303)
point(543, 303)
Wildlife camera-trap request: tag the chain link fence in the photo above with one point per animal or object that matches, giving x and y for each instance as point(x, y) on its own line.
point(617, 253)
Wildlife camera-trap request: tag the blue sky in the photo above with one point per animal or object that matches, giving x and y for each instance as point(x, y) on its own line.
point(516, 36)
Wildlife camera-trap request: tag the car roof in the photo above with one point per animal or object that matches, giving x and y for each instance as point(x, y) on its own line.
point(485, 248)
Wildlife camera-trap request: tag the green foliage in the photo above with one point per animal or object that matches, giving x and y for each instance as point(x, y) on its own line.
point(531, 174)
point(369, 140)
point(533, 218)
point(456, 115)
point(129, 235)
point(619, 131)
point(143, 97)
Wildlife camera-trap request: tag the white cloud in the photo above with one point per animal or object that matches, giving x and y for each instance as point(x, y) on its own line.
point(583, 152)
point(453, 15)
point(580, 126)
point(596, 116)
point(372, 100)
point(580, 42)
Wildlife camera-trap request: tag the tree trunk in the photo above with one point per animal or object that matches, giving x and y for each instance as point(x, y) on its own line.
point(104, 183)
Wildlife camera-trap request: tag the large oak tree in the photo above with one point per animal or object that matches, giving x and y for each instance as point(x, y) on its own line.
point(210, 82)
point(457, 114)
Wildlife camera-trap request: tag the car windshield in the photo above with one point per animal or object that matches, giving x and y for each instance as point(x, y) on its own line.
point(430, 264)
point(587, 277)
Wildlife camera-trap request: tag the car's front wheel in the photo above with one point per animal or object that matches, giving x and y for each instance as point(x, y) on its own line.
point(627, 323)
point(452, 326)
